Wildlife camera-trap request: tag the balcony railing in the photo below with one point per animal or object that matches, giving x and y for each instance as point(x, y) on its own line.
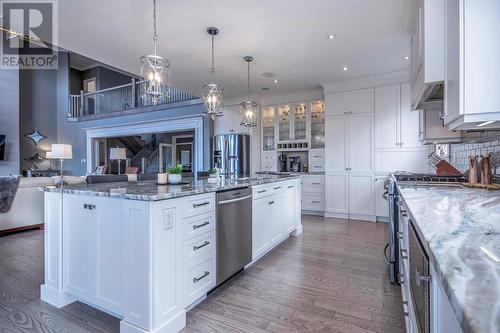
point(117, 98)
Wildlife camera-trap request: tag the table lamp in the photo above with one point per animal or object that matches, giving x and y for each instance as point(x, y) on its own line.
point(118, 154)
point(61, 152)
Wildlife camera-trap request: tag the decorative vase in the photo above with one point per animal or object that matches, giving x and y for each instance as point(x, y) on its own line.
point(174, 178)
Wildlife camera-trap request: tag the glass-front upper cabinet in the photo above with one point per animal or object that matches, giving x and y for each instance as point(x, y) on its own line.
point(284, 122)
point(300, 121)
point(318, 124)
point(268, 122)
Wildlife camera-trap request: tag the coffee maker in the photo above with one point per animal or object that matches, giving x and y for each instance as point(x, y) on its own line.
point(283, 165)
point(295, 163)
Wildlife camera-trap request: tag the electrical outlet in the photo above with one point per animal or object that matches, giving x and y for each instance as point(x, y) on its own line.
point(83, 160)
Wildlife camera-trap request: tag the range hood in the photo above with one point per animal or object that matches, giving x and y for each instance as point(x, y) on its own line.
point(430, 93)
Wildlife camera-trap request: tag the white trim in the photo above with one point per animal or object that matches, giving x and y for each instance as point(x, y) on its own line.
point(302, 96)
point(170, 125)
point(366, 82)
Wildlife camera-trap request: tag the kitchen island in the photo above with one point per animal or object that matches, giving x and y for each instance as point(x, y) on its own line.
point(146, 253)
point(459, 228)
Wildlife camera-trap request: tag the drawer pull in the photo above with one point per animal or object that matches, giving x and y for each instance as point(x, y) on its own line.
point(404, 254)
point(317, 166)
point(277, 187)
point(196, 279)
point(315, 183)
point(291, 186)
point(200, 225)
point(318, 156)
point(196, 205)
point(404, 213)
point(261, 191)
point(271, 202)
point(197, 247)
point(316, 201)
point(88, 206)
point(400, 235)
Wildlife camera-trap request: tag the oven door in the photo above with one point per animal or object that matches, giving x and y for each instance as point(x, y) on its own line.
point(419, 281)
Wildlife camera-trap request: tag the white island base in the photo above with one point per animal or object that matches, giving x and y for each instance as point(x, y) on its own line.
point(141, 261)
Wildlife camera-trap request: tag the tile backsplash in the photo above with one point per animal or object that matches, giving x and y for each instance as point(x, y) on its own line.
point(476, 143)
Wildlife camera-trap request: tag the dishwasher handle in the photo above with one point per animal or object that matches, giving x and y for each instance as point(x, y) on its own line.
point(225, 202)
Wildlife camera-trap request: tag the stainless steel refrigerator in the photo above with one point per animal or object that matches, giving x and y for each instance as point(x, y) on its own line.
point(232, 154)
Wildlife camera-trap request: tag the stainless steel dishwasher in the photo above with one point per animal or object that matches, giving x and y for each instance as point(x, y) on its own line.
point(234, 232)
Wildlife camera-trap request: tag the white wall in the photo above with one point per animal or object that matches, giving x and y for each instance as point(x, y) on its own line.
point(9, 120)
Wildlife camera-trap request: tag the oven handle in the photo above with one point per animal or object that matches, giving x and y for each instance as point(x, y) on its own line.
point(419, 277)
point(225, 202)
point(387, 261)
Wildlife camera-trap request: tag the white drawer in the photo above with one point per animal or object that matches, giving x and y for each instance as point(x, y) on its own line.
point(315, 202)
point(316, 155)
point(197, 225)
point(269, 167)
point(198, 204)
point(265, 190)
point(269, 156)
point(313, 184)
point(198, 277)
point(199, 246)
point(317, 166)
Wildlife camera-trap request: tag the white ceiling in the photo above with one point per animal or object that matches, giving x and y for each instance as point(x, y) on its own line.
point(286, 37)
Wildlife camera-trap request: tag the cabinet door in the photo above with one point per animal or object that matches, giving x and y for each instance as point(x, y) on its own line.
point(359, 134)
point(275, 218)
point(318, 124)
point(268, 128)
point(335, 144)
point(260, 229)
point(289, 218)
point(284, 123)
point(359, 101)
point(225, 123)
point(300, 112)
point(381, 205)
point(409, 133)
point(387, 104)
point(336, 193)
point(361, 194)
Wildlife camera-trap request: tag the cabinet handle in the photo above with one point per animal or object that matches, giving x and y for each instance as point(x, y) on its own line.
point(290, 186)
point(197, 247)
point(404, 254)
point(195, 205)
point(315, 183)
point(318, 156)
point(261, 191)
point(196, 279)
point(317, 166)
point(404, 213)
point(316, 201)
point(401, 278)
point(419, 278)
point(88, 206)
point(400, 235)
point(271, 202)
point(277, 187)
point(200, 225)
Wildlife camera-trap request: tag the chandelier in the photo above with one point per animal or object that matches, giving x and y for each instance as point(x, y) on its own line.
point(155, 71)
point(212, 93)
point(249, 107)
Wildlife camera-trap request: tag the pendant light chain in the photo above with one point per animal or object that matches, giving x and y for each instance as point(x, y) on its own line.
point(248, 79)
point(213, 58)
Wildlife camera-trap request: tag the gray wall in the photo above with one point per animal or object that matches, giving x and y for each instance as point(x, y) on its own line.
point(37, 109)
point(9, 120)
point(476, 143)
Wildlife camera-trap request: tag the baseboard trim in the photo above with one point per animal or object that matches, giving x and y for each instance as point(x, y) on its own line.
point(313, 212)
point(55, 297)
point(352, 217)
point(176, 324)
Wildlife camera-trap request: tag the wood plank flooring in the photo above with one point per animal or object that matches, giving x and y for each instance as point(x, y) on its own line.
point(330, 279)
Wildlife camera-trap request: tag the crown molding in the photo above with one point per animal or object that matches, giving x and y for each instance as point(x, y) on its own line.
point(365, 82)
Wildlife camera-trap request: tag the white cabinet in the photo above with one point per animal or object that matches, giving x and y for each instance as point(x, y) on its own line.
point(269, 161)
point(472, 69)
point(316, 160)
point(289, 207)
point(349, 166)
point(359, 101)
point(230, 122)
point(432, 129)
point(275, 218)
point(427, 50)
point(395, 125)
point(313, 193)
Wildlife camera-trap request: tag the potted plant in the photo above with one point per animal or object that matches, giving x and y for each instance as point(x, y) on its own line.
point(175, 174)
point(212, 173)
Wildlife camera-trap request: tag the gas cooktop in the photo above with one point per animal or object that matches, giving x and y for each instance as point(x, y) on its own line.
point(418, 177)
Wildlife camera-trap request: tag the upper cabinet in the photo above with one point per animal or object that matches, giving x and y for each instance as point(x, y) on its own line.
point(268, 132)
point(284, 123)
point(318, 124)
point(300, 121)
point(358, 101)
point(472, 65)
point(427, 53)
point(229, 123)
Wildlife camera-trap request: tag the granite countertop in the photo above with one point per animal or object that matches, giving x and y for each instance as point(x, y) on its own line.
point(461, 230)
point(290, 173)
point(149, 191)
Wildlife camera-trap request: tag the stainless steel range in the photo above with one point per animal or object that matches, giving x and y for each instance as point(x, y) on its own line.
point(391, 249)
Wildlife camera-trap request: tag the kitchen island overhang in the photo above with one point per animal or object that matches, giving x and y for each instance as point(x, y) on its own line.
point(127, 249)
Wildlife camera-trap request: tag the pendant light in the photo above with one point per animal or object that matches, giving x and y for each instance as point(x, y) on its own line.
point(249, 107)
point(213, 93)
point(155, 71)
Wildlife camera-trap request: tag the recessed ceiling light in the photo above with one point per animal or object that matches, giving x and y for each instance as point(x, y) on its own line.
point(276, 81)
point(406, 58)
point(345, 69)
point(332, 36)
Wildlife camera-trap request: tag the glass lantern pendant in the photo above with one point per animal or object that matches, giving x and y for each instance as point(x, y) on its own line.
point(155, 71)
point(249, 107)
point(212, 93)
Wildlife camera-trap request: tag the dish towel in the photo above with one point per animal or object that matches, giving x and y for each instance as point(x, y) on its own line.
point(8, 189)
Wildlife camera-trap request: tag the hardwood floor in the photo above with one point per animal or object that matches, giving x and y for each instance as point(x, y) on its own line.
point(330, 279)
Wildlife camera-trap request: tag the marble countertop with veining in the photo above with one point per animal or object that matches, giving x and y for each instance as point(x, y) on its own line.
point(149, 191)
point(461, 231)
